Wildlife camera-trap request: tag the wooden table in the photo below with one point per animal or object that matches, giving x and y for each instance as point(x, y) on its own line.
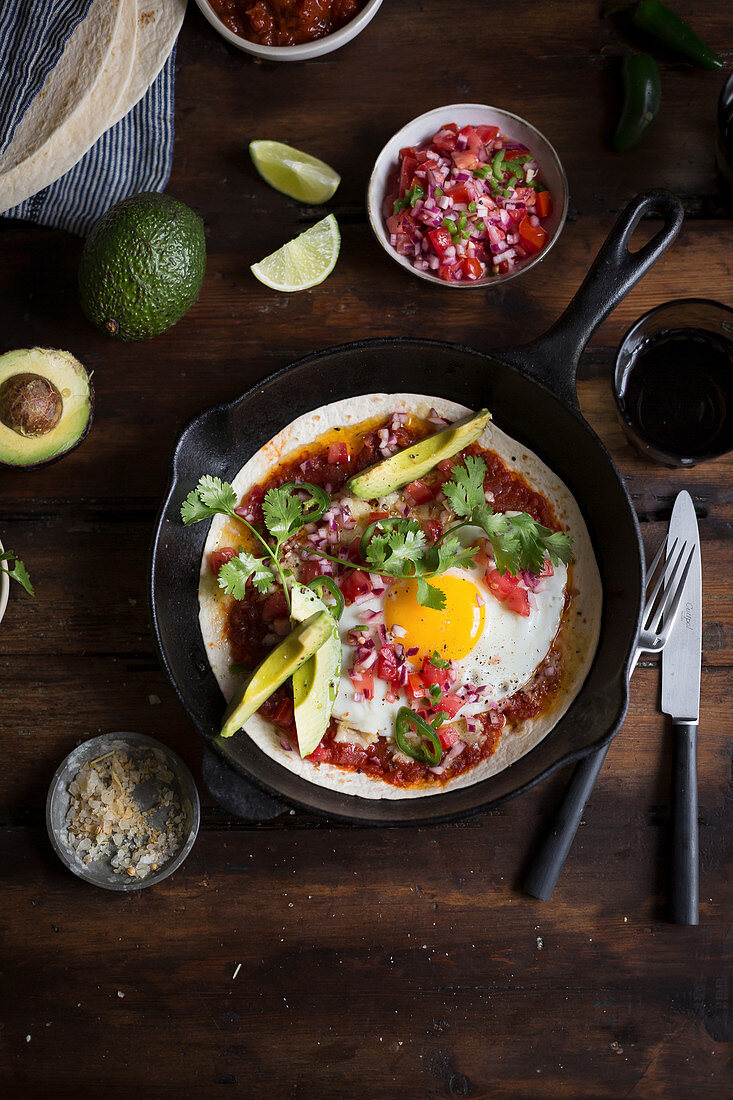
point(374, 963)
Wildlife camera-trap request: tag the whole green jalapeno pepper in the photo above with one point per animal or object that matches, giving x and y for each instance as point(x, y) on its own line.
point(656, 20)
point(642, 96)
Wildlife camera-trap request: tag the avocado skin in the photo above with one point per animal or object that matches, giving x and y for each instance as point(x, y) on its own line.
point(21, 443)
point(142, 266)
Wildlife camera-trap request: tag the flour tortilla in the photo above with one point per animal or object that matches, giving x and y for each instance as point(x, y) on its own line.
point(69, 83)
point(146, 33)
point(579, 636)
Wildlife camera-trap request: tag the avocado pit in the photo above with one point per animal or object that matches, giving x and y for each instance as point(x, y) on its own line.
point(30, 404)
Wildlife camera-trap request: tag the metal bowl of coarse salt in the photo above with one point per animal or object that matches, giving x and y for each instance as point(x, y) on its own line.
point(122, 811)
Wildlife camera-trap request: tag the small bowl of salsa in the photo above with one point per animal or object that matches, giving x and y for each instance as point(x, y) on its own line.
point(467, 195)
point(289, 30)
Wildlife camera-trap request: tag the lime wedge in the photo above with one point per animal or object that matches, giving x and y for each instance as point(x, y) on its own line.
point(303, 262)
point(296, 174)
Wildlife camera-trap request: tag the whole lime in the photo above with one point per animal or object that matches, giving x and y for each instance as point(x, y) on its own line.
point(142, 266)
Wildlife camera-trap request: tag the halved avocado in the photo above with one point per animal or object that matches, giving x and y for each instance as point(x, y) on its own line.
point(281, 662)
point(315, 682)
point(413, 462)
point(46, 405)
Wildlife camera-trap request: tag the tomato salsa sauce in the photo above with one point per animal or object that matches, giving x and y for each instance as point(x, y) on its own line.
point(328, 463)
point(285, 22)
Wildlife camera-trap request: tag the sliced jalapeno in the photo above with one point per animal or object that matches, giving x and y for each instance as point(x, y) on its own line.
point(319, 583)
point(429, 749)
point(319, 499)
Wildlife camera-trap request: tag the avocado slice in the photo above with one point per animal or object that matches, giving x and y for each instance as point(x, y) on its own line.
point(283, 661)
point(46, 405)
point(408, 465)
point(142, 266)
point(315, 682)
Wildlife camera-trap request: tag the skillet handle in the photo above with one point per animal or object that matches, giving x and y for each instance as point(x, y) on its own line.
point(553, 357)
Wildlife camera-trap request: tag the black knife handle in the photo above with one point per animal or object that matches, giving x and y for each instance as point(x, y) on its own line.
point(685, 853)
point(547, 864)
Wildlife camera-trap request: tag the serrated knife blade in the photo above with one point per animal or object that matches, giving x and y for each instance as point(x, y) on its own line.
point(681, 657)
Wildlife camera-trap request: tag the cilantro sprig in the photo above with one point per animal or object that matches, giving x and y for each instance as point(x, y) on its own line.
point(11, 564)
point(518, 541)
point(285, 514)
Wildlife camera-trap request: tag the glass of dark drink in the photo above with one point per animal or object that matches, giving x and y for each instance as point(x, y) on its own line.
point(673, 382)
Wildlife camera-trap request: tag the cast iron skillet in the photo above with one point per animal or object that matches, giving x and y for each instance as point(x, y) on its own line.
point(531, 391)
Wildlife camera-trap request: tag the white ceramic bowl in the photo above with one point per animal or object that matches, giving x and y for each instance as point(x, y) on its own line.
point(306, 50)
point(468, 114)
point(4, 588)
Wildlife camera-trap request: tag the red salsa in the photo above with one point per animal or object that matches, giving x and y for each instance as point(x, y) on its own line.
point(285, 22)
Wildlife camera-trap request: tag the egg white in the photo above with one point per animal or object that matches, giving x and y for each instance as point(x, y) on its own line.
point(502, 661)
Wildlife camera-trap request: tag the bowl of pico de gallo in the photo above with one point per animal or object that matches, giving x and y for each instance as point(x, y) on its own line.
point(467, 195)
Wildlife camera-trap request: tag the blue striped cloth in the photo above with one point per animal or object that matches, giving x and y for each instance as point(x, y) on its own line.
point(133, 156)
point(33, 34)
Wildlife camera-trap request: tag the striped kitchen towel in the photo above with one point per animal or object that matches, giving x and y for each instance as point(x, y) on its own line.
point(134, 155)
point(33, 34)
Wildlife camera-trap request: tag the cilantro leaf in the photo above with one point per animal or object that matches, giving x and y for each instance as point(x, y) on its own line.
point(536, 542)
point(211, 497)
point(17, 571)
point(234, 574)
point(465, 490)
point(283, 513)
point(402, 544)
point(451, 554)
point(429, 596)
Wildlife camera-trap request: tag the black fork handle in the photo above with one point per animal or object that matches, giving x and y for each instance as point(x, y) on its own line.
point(544, 870)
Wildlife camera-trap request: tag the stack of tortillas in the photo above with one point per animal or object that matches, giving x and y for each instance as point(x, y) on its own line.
point(107, 66)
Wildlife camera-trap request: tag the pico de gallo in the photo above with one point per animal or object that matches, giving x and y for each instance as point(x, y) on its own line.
point(467, 204)
point(285, 22)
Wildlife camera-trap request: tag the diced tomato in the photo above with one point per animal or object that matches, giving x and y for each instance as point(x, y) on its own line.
point(534, 237)
point(487, 133)
point(504, 267)
point(518, 601)
point(363, 683)
point(544, 204)
point(448, 272)
point(432, 675)
point(401, 223)
point(451, 704)
point(484, 561)
point(284, 714)
point(472, 137)
point(440, 240)
point(445, 139)
point(464, 159)
point(355, 584)
point(527, 195)
point(516, 215)
point(338, 452)
point(220, 557)
point(275, 606)
point(459, 193)
point(319, 754)
point(500, 586)
point(407, 171)
point(309, 570)
point(434, 529)
point(418, 492)
point(415, 686)
point(547, 570)
point(387, 665)
point(374, 516)
point(448, 737)
point(472, 267)
point(446, 465)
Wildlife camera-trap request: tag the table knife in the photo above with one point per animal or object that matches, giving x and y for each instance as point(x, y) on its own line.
point(681, 659)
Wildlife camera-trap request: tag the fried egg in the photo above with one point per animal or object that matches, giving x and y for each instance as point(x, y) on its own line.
point(495, 650)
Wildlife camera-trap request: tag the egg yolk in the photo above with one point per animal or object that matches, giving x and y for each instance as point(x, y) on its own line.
point(453, 632)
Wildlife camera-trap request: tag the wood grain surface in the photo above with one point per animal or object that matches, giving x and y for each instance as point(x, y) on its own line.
point(375, 963)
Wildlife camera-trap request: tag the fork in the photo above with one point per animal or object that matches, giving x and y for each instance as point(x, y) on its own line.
point(663, 596)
